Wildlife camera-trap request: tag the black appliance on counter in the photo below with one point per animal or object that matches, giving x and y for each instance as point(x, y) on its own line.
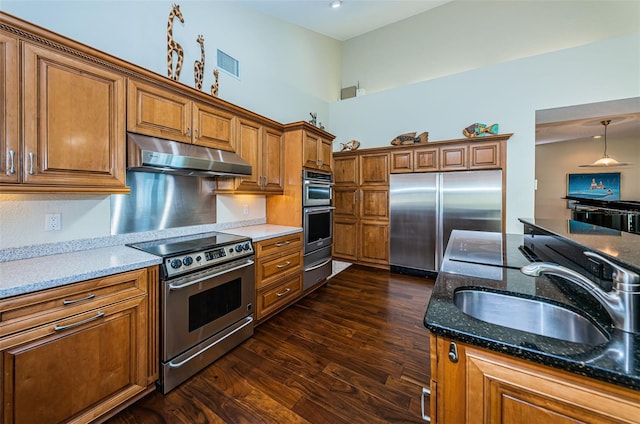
point(206, 300)
point(622, 215)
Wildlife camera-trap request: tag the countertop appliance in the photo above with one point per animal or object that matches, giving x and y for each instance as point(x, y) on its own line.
point(317, 226)
point(206, 300)
point(426, 207)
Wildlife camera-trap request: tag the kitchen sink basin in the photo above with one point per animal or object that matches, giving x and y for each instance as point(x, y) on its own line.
point(530, 315)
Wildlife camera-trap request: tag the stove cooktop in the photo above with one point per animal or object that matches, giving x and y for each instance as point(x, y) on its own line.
point(187, 244)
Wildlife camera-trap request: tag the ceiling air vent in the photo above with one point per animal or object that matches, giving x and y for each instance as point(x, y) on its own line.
point(228, 64)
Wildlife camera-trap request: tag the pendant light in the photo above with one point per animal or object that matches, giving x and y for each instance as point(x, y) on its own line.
point(605, 160)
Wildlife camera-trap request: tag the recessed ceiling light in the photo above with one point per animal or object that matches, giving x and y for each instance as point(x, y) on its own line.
point(336, 4)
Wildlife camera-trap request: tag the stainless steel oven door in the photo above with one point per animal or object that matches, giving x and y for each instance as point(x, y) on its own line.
point(317, 228)
point(316, 193)
point(197, 306)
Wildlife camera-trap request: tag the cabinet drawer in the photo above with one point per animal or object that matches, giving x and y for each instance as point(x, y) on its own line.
point(277, 266)
point(29, 310)
point(278, 244)
point(271, 298)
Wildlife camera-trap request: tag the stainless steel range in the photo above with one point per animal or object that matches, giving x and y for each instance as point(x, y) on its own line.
point(206, 300)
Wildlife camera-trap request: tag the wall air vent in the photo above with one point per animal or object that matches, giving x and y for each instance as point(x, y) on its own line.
point(228, 64)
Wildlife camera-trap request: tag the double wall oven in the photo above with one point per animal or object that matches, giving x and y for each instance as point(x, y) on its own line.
point(206, 300)
point(317, 224)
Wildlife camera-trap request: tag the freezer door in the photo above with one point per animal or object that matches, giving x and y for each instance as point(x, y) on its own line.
point(412, 226)
point(469, 201)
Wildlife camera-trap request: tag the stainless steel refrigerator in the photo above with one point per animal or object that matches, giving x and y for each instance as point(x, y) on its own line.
point(426, 207)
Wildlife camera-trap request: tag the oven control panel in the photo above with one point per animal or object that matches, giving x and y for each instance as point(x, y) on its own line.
point(191, 261)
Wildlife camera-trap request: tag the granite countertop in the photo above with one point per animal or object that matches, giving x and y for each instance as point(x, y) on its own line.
point(616, 361)
point(29, 269)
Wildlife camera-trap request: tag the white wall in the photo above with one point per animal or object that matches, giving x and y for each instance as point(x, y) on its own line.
point(464, 35)
point(508, 94)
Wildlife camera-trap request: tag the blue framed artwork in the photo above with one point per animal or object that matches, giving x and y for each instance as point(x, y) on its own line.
point(597, 186)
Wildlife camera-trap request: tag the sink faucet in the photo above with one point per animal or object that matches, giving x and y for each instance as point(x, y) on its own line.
point(622, 302)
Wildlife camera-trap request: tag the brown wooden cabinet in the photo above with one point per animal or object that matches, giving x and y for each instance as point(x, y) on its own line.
point(278, 273)
point(317, 151)
point(71, 114)
point(9, 109)
point(263, 148)
point(75, 353)
point(452, 155)
point(487, 387)
point(160, 112)
point(361, 217)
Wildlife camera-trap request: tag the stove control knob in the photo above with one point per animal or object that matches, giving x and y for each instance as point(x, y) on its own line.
point(198, 258)
point(188, 260)
point(239, 248)
point(246, 246)
point(176, 263)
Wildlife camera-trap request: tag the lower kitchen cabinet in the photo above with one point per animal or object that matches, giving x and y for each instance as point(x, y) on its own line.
point(76, 353)
point(487, 387)
point(279, 263)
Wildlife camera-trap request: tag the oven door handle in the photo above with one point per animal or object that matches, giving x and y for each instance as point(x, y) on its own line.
point(209, 276)
point(248, 320)
point(319, 209)
point(319, 265)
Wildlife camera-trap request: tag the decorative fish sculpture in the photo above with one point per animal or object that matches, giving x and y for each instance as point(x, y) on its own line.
point(410, 138)
point(350, 145)
point(480, 130)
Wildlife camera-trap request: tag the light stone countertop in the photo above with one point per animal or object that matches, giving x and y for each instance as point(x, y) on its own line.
point(53, 266)
point(30, 275)
point(263, 232)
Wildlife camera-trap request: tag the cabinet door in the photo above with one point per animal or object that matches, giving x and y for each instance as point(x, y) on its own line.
point(374, 242)
point(9, 110)
point(484, 155)
point(345, 239)
point(273, 161)
point(402, 162)
point(325, 153)
point(310, 151)
point(73, 114)
point(345, 200)
point(213, 127)
point(155, 111)
point(425, 160)
point(374, 169)
point(249, 147)
point(374, 203)
point(345, 170)
point(80, 367)
point(453, 158)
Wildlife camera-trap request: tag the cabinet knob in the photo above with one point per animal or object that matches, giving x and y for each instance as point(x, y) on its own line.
point(188, 131)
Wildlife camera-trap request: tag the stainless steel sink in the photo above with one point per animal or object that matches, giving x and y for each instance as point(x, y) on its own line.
point(530, 315)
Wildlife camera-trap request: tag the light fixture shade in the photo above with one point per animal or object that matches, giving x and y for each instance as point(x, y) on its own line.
point(605, 160)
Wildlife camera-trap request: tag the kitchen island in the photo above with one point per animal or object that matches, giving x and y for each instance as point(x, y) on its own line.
point(474, 354)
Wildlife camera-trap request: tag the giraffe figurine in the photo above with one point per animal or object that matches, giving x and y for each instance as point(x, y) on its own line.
point(216, 85)
point(198, 66)
point(173, 46)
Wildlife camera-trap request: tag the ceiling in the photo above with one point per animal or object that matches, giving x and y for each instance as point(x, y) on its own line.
point(353, 18)
point(583, 122)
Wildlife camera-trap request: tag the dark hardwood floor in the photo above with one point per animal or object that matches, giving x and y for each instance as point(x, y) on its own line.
point(353, 351)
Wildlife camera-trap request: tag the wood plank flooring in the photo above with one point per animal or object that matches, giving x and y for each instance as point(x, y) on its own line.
point(353, 351)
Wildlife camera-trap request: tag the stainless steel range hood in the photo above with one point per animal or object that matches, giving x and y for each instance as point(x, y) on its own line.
point(152, 154)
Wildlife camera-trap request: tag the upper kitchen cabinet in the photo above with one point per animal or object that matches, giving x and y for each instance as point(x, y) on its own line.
point(263, 147)
point(72, 120)
point(317, 149)
point(9, 109)
point(160, 112)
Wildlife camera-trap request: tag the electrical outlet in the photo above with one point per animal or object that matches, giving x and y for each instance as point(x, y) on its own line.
point(52, 222)
point(245, 209)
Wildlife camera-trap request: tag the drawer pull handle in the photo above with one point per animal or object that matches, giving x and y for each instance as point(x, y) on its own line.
point(79, 323)
point(12, 168)
point(284, 243)
point(284, 265)
point(283, 293)
point(71, 302)
point(31, 172)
